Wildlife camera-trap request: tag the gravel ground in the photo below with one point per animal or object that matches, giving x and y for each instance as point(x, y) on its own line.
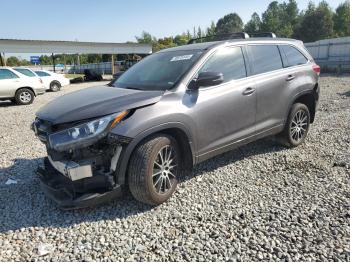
point(259, 202)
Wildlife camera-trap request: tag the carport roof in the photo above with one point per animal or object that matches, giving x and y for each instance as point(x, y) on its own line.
point(71, 47)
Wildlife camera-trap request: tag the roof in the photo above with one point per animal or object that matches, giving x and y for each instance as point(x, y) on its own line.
point(71, 47)
point(209, 45)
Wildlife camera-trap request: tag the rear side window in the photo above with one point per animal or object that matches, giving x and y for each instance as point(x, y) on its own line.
point(41, 73)
point(7, 74)
point(292, 56)
point(25, 72)
point(265, 58)
point(229, 61)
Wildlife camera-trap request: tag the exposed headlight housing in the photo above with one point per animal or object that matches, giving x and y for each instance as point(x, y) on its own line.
point(85, 134)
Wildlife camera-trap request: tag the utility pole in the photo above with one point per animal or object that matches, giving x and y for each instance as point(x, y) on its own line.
point(112, 64)
point(3, 59)
point(64, 60)
point(53, 62)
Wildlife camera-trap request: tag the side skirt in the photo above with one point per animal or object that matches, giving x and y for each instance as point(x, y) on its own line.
point(232, 145)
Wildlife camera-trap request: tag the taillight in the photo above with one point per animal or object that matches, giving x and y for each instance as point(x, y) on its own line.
point(317, 69)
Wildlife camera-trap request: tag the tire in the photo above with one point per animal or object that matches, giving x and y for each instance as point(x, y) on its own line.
point(150, 181)
point(297, 126)
point(24, 96)
point(55, 86)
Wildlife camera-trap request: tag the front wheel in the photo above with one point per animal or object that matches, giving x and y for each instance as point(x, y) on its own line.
point(154, 170)
point(297, 126)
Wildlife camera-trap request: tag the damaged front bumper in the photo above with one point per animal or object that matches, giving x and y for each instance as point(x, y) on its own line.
point(68, 194)
point(83, 177)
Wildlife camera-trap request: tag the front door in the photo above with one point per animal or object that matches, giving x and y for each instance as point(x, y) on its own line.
point(224, 113)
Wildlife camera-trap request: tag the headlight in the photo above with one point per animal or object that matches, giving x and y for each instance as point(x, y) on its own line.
point(85, 134)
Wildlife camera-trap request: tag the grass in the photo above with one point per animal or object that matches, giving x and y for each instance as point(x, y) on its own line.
point(73, 75)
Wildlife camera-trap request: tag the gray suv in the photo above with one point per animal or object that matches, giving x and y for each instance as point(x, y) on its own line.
point(172, 110)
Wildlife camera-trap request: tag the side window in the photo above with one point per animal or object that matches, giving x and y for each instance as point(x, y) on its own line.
point(41, 73)
point(25, 72)
point(7, 74)
point(265, 58)
point(229, 61)
point(293, 56)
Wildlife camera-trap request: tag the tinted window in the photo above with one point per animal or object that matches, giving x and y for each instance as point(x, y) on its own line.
point(25, 72)
point(41, 73)
point(265, 58)
point(229, 61)
point(7, 74)
point(292, 56)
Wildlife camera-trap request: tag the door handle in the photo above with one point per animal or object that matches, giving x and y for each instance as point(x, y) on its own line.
point(290, 78)
point(248, 91)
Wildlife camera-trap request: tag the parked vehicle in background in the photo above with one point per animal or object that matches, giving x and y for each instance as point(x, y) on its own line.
point(92, 75)
point(128, 63)
point(19, 87)
point(52, 81)
point(175, 108)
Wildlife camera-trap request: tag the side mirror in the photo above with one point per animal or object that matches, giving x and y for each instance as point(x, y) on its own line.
point(206, 79)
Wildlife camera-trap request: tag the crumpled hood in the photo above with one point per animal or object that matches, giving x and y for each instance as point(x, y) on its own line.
point(94, 102)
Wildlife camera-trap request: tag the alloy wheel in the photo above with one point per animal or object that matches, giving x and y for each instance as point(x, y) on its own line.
point(299, 126)
point(54, 87)
point(164, 169)
point(25, 97)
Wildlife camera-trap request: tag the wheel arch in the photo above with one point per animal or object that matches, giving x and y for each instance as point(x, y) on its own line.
point(28, 87)
point(176, 130)
point(308, 98)
point(55, 82)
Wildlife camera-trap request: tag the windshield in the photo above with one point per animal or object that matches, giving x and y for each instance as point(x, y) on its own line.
point(160, 71)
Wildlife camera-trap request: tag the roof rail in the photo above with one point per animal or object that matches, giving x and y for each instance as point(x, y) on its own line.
point(239, 35)
point(263, 34)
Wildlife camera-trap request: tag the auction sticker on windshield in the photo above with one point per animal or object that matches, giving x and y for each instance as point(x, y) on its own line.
point(182, 57)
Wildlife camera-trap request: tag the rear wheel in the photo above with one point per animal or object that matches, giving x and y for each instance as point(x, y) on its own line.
point(297, 126)
point(55, 86)
point(24, 96)
point(154, 170)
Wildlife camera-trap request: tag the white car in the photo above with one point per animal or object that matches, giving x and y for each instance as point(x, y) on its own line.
point(52, 81)
point(19, 87)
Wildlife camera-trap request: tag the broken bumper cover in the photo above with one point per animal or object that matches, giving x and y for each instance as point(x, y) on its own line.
point(62, 190)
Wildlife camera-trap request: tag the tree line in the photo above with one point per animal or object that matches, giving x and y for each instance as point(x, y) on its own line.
point(284, 19)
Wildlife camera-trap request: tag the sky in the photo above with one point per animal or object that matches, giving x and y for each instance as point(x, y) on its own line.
point(118, 21)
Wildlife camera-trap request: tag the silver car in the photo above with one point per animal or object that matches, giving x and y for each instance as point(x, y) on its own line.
point(19, 85)
point(172, 110)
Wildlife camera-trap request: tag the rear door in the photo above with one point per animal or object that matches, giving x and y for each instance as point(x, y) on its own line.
point(271, 83)
point(224, 113)
point(9, 82)
point(296, 66)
